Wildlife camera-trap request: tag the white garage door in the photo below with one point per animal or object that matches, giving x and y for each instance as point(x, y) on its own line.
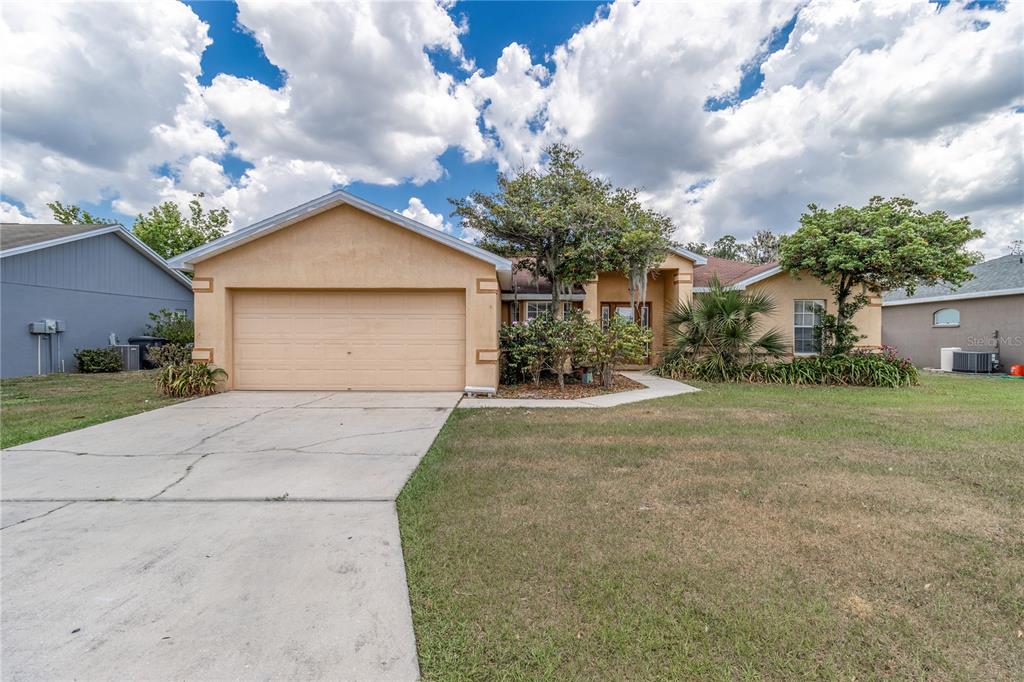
point(360, 340)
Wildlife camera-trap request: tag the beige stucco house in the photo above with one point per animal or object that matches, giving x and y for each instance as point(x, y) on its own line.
point(799, 300)
point(342, 294)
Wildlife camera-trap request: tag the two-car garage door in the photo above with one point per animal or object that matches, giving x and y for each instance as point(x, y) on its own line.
point(360, 340)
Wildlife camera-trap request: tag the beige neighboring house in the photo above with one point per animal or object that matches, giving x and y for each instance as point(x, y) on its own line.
point(342, 294)
point(984, 314)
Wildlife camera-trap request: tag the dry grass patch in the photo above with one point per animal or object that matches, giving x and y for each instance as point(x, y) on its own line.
point(691, 537)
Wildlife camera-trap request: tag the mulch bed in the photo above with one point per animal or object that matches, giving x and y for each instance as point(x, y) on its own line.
point(549, 389)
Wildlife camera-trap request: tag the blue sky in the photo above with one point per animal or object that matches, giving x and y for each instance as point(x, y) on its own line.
point(730, 117)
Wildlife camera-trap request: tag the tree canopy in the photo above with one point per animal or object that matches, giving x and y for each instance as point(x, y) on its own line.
point(565, 219)
point(763, 247)
point(165, 230)
point(642, 239)
point(73, 215)
point(888, 244)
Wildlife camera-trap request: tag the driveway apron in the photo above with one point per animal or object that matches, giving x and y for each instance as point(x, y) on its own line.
point(248, 535)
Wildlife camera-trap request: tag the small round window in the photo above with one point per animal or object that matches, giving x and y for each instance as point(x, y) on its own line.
point(947, 317)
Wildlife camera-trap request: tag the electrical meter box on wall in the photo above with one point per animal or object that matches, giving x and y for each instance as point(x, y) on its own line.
point(43, 327)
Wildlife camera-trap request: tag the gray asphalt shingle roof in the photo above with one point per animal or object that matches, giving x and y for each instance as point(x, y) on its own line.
point(997, 274)
point(13, 235)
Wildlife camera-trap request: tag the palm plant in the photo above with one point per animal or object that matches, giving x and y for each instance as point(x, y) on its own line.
point(718, 331)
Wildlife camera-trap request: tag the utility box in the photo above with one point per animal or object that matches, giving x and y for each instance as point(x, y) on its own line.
point(946, 359)
point(43, 327)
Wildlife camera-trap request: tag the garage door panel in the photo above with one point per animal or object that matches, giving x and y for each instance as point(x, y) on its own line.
point(349, 340)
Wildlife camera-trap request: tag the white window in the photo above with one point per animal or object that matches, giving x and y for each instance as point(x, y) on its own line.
point(806, 316)
point(947, 317)
point(535, 309)
point(625, 311)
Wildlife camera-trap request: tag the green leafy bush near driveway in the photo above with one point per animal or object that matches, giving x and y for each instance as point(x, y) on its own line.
point(176, 327)
point(856, 368)
point(96, 360)
point(189, 379)
point(170, 354)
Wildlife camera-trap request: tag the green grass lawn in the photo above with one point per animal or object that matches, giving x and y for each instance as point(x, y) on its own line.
point(37, 407)
point(745, 532)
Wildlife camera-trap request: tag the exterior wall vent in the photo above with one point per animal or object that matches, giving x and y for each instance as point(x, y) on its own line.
point(975, 362)
point(129, 357)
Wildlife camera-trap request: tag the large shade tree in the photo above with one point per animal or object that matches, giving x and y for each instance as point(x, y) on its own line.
point(640, 241)
point(888, 244)
point(560, 217)
point(165, 230)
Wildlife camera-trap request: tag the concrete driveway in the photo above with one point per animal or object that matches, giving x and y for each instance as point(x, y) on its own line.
point(245, 535)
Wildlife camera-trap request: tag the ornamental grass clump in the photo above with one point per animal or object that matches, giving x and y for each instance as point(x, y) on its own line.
point(189, 379)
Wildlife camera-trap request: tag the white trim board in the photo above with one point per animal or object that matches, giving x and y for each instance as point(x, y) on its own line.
point(686, 253)
point(186, 261)
point(953, 297)
point(121, 231)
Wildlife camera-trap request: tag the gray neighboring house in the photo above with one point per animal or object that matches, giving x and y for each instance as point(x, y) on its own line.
point(985, 313)
point(97, 279)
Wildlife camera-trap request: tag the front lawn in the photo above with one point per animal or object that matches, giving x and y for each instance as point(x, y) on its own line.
point(37, 407)
point(744, 532)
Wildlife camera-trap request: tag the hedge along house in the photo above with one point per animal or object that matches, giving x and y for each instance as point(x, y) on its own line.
point(341, 294)
point(89, 280)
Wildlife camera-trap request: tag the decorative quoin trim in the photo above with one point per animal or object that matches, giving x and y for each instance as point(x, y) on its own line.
point(683, 278)
point(486, 356)
point(202, 285)
point(202, 355)
point(487, 286)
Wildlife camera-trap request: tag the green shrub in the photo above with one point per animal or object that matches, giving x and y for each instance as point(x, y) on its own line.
point(859, 367)
point(619, 342)
point(529, 348)
point(95, 360)
point(188, 379)
point(170, 354)
point(719, 331)
point(176, 327)
point(522, 352)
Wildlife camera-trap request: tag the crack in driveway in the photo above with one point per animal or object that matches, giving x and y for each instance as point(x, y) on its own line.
point(38, 516)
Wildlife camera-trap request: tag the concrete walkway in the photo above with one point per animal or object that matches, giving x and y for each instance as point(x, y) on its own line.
point(657, 387)
point(245, 535)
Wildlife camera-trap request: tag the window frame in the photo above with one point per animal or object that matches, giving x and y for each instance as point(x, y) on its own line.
point(545, 304)
point(608, 306)
point(945, 325)
point(816, 320)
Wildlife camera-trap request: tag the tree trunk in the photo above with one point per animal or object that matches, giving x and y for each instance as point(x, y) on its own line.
point(556, 298)
point(608, 375)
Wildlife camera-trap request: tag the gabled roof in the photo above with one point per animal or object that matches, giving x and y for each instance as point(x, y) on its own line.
point(686, 253)
point(14, 235)
point(735, 273)
point(998, 277)
point(339, 197)
point(19, 238)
